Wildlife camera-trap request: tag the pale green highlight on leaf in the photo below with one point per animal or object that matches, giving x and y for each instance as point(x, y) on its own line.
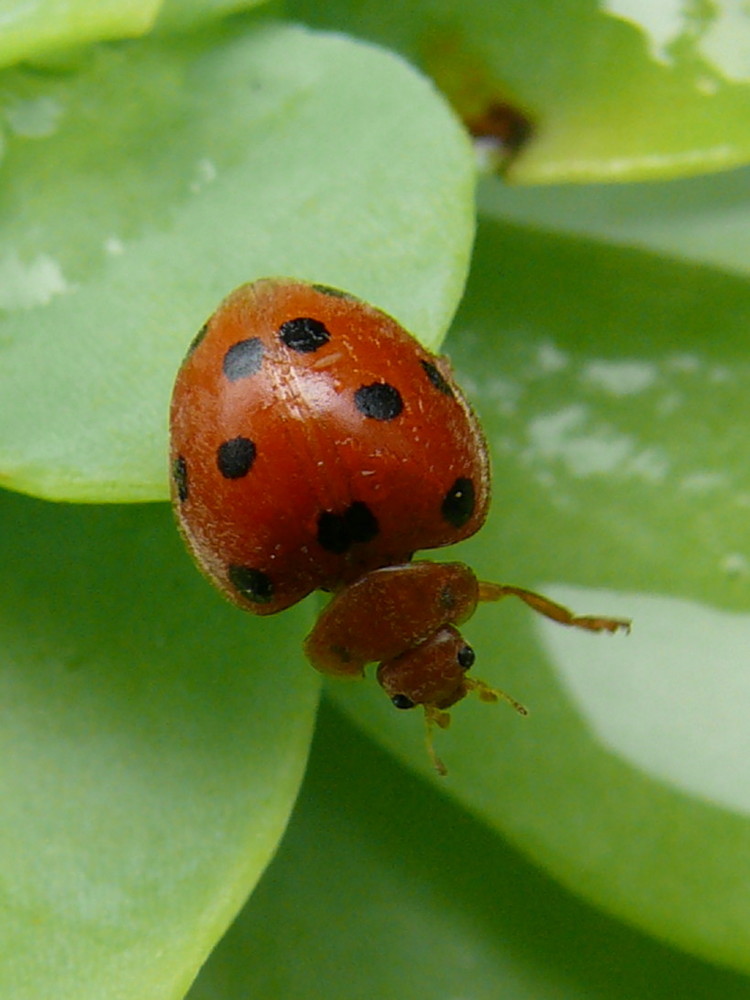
point(701, 219)
point(32, 29)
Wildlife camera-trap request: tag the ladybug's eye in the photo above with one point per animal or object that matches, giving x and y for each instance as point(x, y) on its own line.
point(401, 701)
point(465, 657)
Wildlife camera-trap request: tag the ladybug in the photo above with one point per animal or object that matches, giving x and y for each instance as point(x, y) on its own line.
point(315, 444)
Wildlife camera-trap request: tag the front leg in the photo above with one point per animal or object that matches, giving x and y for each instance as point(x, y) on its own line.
point(550, 609)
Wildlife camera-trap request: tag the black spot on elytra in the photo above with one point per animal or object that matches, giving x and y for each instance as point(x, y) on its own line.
point(235, 458)
point(435, 376)
point(337, 532)
point(379, 401)
point(251, 583)
point(243, 359)
point(458, 503)
point(180, 477)
point(304, 334)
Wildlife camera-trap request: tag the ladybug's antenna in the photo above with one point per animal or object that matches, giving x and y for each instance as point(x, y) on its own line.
point(487, 693)
point(551, 609)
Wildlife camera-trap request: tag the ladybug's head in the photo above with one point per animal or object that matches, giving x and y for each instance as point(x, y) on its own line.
point(433, 674)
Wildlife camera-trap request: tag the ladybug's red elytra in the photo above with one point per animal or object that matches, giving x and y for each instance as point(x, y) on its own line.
point(316, 444)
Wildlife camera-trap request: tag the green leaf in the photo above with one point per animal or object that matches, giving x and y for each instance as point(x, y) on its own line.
point(613, 386)
point(152, 742)
point(433, 904)
point(168, 174)
point(702, 219)
point(34, 30)
point(615, 91)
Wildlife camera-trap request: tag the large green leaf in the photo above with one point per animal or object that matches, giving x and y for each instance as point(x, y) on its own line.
point(152, 741)
point(140, 191)
point(382, 888)
point(615, 91)
point(613, 386)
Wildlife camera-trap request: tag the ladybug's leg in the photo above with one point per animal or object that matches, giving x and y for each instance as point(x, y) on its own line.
point(435, 717)
point(550, 609)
